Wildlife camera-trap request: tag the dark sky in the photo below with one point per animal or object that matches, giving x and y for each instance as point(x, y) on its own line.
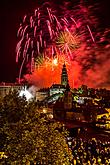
point(11, 12)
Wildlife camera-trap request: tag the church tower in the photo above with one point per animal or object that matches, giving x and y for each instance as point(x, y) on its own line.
point(64, 76)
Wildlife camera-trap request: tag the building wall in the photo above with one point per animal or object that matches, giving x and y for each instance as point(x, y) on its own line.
point(6, 88)
point(41, 95)
point(56, 90)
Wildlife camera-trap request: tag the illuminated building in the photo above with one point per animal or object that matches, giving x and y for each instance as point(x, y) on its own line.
point(41, 94)
point(60, 88)
point(5, 88)
point(54, 89)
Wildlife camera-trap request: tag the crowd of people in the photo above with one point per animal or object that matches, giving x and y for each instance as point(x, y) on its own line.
point(89, 152)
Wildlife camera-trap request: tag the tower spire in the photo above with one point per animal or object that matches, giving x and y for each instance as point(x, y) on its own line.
point(64, 76)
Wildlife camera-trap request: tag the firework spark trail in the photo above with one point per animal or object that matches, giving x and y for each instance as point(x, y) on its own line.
point(50, 16)
point(50, 30)
point(32, 61)
point(38, 47)
point(58, 23)
point(74, 22)
point(18, 48)
point(19, 30)
point(91, 33)
point(24, 19)
point(21, 67)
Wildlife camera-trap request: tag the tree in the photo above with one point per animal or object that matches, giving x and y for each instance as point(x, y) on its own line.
point(28, 136)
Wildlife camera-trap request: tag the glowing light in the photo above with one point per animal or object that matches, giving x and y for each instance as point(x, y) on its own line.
point(50, 116)
point(26, 93)
point(44, 110)
point(55, 61)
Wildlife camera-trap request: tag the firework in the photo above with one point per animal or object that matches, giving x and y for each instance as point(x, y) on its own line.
point(36, 33)
point(67, 42)
point(44, 36)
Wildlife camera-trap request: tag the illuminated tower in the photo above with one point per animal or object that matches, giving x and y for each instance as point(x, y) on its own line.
point(64, 76)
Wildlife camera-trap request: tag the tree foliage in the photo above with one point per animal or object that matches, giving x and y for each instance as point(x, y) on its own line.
point(28, 136)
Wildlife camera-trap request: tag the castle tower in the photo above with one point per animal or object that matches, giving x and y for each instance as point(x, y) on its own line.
point(64, 76)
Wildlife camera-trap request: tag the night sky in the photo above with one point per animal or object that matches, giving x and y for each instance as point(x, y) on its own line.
point(11, 12)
